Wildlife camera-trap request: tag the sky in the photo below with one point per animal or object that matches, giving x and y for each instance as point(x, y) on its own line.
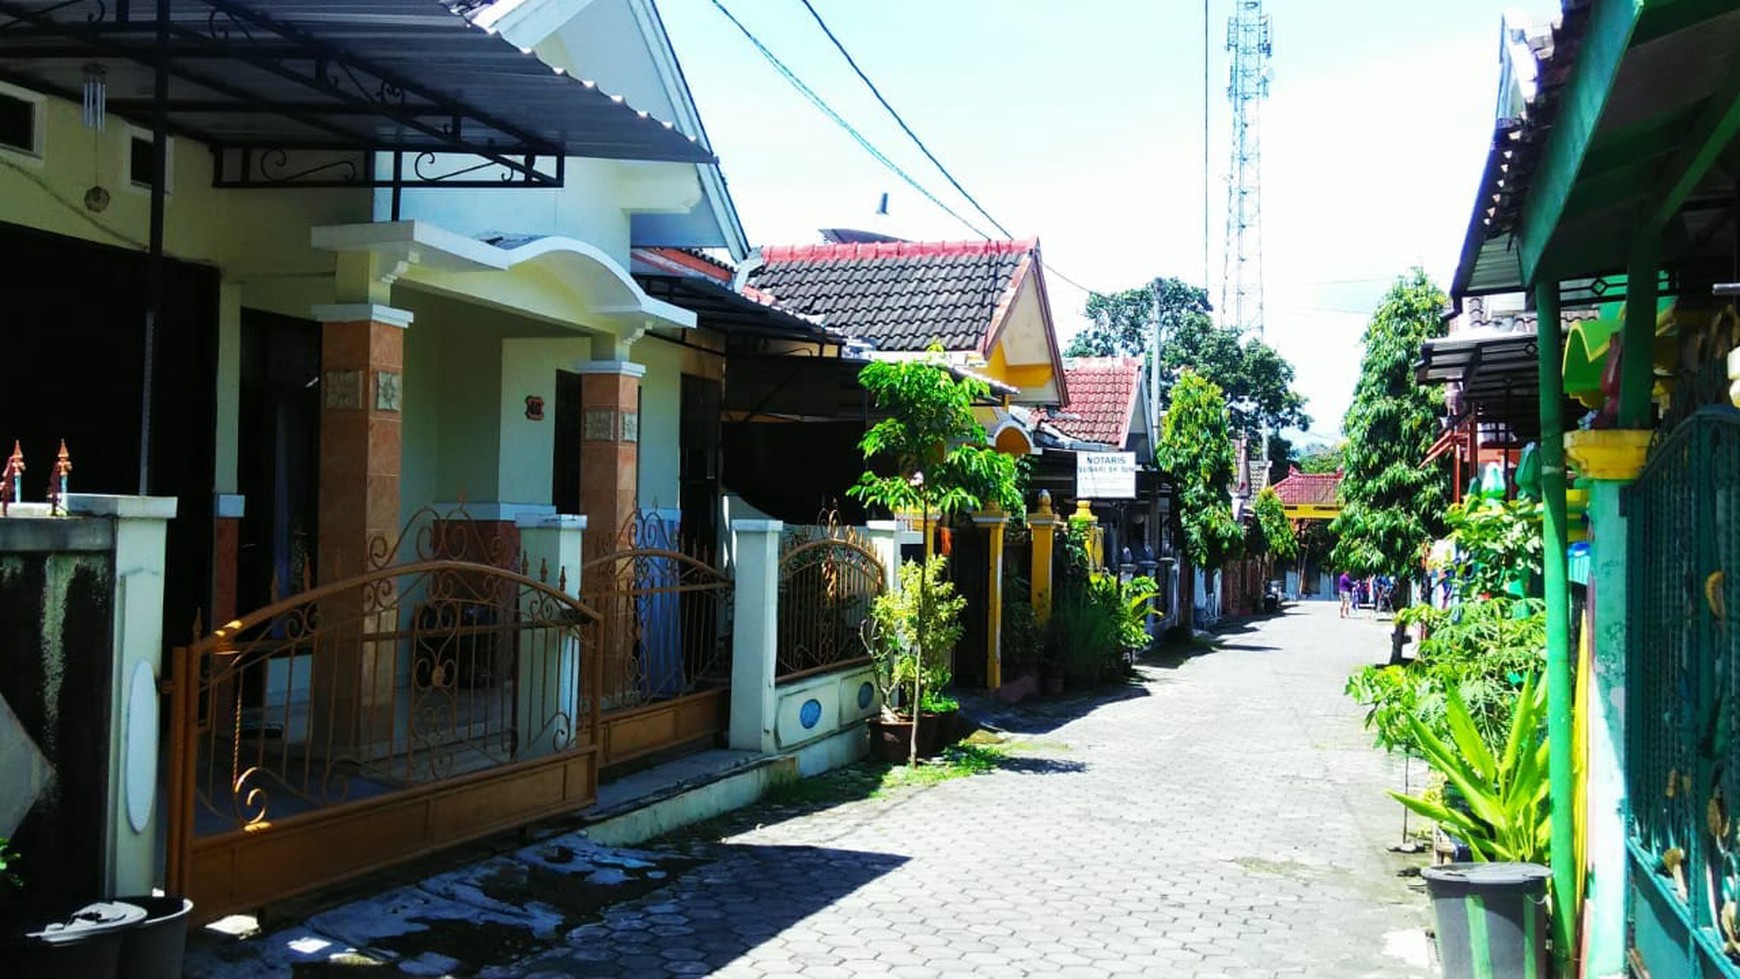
point(1081, 122)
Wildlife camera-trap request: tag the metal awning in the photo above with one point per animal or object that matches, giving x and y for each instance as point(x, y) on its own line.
point(1632, 123)
point(717, 307)
point(1496, 375)
point(309, 91)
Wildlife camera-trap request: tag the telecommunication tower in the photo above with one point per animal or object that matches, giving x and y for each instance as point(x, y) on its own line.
point(1249, 38)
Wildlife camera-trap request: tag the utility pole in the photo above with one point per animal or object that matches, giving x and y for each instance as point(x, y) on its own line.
point(1249, 38)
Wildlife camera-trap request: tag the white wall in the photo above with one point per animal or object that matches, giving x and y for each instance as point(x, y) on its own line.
point(528, 368)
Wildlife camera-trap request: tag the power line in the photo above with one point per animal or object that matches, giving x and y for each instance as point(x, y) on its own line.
point(956, 184)
point(840, 120)
point(922, 148)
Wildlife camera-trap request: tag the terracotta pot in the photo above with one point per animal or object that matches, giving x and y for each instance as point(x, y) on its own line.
point(891, 740)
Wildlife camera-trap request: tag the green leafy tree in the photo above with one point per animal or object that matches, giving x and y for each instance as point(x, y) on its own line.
point(1279, 541)
point(1323, 461)
point(1257, 381)
point(1196, 450)
point(1392, 502)
point(936, 460)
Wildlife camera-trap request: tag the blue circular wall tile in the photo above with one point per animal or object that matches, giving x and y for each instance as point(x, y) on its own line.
point(866, 694)
point(810, 713)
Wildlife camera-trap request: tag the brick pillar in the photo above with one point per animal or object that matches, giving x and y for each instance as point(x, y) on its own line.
point(361, 454)
point(609, 443)
point(226, 546)
point(362, 355)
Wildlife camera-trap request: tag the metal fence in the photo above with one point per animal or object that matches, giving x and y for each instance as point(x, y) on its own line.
point(828, 579)
point(1683, 687)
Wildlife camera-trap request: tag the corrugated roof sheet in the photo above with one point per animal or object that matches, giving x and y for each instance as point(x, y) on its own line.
point(1102, 395)
point(415, 75)
point(898, 296)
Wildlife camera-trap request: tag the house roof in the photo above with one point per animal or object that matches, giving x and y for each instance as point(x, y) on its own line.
point(330, 76)
point(1309, 489)
point(1102, 398)
point(900, 295)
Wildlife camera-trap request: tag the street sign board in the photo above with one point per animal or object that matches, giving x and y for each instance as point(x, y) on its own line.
point(1105, 475)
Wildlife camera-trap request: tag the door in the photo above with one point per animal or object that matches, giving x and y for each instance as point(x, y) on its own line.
point(278, 456)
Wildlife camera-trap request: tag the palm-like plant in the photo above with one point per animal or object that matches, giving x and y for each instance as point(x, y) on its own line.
point(1508, 817)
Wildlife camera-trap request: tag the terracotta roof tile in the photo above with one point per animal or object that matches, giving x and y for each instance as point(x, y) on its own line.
point(1102, 395)
point(1309, 489)
point(898, 295)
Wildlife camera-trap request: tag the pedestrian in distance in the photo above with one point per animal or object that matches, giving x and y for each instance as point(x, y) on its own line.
point(1345, 586)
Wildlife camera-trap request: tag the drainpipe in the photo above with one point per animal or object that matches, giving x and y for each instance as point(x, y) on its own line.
point(1559, 748)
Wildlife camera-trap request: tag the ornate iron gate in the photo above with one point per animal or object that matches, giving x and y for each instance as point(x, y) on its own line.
point(1683, 687)
point(665, 642)
point(373, 719)
point(827, 581)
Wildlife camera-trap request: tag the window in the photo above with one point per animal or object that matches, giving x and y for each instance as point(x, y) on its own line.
point(142, 162)
point(19, 117)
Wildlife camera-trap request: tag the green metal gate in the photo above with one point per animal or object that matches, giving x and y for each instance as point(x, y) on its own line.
point(1683, 680)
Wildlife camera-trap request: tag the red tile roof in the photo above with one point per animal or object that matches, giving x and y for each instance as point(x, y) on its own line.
point(900, 295)
point(1309, 489)
point(1102, 396)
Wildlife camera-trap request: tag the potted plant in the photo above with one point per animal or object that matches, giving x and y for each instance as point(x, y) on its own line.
point(1491, 911)
point(928, 456)
point(911, 633)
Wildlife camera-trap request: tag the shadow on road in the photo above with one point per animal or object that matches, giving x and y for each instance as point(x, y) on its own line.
point(1042, 715)
point(745, 898)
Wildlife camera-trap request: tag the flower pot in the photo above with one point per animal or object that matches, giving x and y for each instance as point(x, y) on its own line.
point(891, 740)
point(153, 949)
point(1492, 918)
point(1608, 453)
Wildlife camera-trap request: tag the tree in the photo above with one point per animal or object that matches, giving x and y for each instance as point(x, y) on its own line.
point(1278, 539)
point(942, 464)
point(1392, 503)
point(1196, 451)
point(1257, 381)
point(1323, 460)
point(1123, 323)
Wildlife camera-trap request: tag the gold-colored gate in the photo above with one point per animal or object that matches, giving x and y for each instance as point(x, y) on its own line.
point(665, 647)
point(370, 720)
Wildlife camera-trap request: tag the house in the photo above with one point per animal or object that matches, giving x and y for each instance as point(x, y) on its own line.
point(984, 304)
point(1605, 181)
point(1108, 416)
point(363, 307)
point(1309, 497)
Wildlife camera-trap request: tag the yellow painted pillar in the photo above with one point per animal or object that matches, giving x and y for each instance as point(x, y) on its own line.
point(1096, 540)
point(1043, 524)
point(993, 519)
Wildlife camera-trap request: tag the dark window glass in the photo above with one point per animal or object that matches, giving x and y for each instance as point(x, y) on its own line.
point(142, 163)
point(18, 123)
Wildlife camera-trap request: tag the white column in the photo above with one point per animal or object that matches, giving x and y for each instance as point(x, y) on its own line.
point(755, 639)
point(548, 682)
point(140, 523)
point(885, 540)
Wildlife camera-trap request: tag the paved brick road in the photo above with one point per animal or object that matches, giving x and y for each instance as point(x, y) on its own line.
point(1225, 817)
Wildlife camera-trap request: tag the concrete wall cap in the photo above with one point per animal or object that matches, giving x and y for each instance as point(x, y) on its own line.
point(125, 507)
point(363, 313)
point(627, 368)
point(758, 526)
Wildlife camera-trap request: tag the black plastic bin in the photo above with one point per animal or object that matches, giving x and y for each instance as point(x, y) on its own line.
point(153, 949)
point(86, 940)
point(1492, 918)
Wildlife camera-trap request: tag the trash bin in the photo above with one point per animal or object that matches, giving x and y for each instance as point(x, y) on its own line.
point(153, 948)
point(1492, 918)
point(58, 943)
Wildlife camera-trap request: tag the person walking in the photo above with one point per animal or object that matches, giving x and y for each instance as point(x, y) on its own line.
point(1345, 586)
